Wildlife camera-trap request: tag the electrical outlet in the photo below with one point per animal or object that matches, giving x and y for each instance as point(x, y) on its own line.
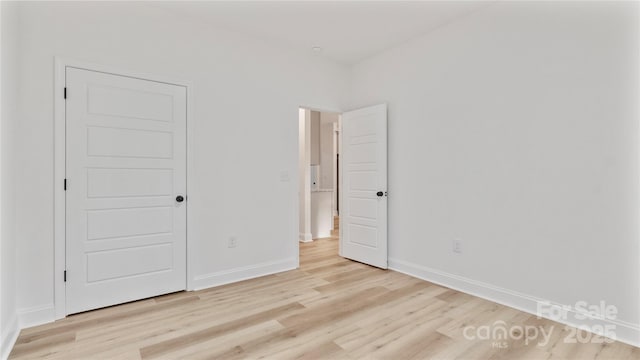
point(233, 242)
point(457, 246)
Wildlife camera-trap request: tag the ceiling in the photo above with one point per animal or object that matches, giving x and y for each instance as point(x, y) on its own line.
point(347, 31)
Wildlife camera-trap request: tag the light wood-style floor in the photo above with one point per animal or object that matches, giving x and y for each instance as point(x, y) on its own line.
point(330, 308)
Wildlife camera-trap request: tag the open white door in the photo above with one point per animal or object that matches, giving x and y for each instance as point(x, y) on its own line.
point(363, 203)
point(126, 183)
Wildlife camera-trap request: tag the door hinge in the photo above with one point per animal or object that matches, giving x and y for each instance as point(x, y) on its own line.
point(65, 276)
point(65, 184)
point(65, 92)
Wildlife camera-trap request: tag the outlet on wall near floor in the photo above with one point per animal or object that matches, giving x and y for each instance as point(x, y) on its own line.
point(233, 242)
point(457, 246)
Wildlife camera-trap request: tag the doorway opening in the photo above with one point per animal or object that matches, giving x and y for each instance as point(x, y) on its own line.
point(319, 179)
point(343, 184)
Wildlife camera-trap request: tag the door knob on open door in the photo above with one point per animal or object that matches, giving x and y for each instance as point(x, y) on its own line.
point(379, 193)
point(179, 198)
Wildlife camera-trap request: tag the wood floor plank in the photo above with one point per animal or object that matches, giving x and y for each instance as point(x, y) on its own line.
point(202, 335)
point(203, 350)
point(97, 321)
point(27, 347)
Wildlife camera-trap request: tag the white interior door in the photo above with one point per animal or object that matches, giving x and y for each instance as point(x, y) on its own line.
point(363, 203)
point(125, 170)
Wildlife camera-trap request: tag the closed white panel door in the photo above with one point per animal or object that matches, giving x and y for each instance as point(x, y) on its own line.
point(363, 203)
point(125, 170)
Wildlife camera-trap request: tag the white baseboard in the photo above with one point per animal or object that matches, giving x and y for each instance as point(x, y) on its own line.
point(625, 332)
point(306, 237)
point(36, 315)
point(243, 273)
point(9, 337)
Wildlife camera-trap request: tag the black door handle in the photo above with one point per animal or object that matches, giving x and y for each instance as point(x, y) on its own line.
point(179, 198)
point(379, 193)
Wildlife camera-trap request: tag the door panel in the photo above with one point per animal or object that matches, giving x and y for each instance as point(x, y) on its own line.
point(114, 223)
point(363, 158)
point(125, 165)
point(129, 182)
point(133, 261)
point(130, 103)
point(133, 143)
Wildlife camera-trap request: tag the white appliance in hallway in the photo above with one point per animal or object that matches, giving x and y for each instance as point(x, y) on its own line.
point(321, 213)
point(126, 177)
point(321, 206)
point(314, 177)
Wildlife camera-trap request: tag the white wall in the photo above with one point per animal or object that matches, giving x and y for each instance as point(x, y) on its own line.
point(246, 96)
point(315, 138)
point(326, 149)
point(515, 130)
point(8, 91)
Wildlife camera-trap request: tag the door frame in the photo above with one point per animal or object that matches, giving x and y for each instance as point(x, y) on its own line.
point(337, 131)
point(59, 167)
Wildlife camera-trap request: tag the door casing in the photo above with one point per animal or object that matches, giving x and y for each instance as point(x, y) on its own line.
point(60, 168)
